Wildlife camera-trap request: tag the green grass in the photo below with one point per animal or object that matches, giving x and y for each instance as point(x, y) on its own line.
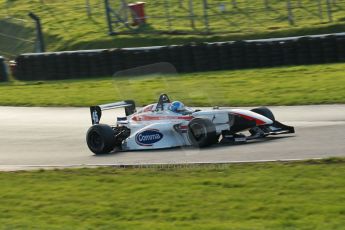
point(67, 26)
point(314, 84)
point(304, 195)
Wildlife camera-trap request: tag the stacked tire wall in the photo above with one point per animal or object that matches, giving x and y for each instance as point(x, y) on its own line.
point(3, 70)
point(186, 58)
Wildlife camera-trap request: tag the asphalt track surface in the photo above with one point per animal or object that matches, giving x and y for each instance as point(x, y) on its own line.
point(32, 137)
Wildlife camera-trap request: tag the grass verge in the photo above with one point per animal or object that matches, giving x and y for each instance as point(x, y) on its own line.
point(300, 195)
point(315, 84)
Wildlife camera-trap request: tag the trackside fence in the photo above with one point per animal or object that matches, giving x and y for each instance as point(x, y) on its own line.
point(186, 58)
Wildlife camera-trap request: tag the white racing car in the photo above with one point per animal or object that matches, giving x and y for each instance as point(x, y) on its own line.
point(168, 124)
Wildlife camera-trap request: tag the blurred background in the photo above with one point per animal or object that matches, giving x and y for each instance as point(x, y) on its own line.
point(90, 24)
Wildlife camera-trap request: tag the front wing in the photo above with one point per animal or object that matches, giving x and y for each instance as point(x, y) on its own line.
point(259, 132)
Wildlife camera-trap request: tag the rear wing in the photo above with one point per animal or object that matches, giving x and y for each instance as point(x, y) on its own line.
point(96, 111)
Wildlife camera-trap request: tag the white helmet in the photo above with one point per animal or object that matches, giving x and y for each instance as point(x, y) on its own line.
point(176, 106)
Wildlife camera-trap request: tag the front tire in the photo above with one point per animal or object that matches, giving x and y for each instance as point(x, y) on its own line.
point(260, 131)
point(202, 132)
point(264, 112)
point(100, 139)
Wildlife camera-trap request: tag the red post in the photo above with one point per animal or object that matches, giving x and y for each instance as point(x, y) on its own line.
point(138, 12)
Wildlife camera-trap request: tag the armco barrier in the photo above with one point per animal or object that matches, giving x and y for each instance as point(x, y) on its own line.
point(3, 70)
point(186, 58)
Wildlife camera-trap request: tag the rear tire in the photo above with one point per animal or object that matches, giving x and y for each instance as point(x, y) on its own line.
point(100, 139)
point(202, 132)
point(264, 112)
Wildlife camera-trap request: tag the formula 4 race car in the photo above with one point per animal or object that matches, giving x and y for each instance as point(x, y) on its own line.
point(168, 124)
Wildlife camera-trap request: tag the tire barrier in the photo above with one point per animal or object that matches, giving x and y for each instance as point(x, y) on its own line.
point(225, 56)
point(316, 53)
point(200, 57)
point(277, 54)
point(3, 70)
point(253, 54)
point(186, 58)
point(329, 48)
point(341, 48)
point(289, 52)
point(239, 55)
point(303, 51)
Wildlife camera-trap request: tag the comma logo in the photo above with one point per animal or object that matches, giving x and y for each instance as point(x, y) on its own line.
point(148, 137)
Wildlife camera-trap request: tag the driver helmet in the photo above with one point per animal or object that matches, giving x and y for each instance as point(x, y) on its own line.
point(176, 106)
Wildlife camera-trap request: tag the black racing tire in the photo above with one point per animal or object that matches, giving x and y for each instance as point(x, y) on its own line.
point(100, 139)
point(264, 112)
point(202, 132)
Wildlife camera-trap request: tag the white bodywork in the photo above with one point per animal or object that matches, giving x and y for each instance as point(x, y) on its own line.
point(156, 129)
